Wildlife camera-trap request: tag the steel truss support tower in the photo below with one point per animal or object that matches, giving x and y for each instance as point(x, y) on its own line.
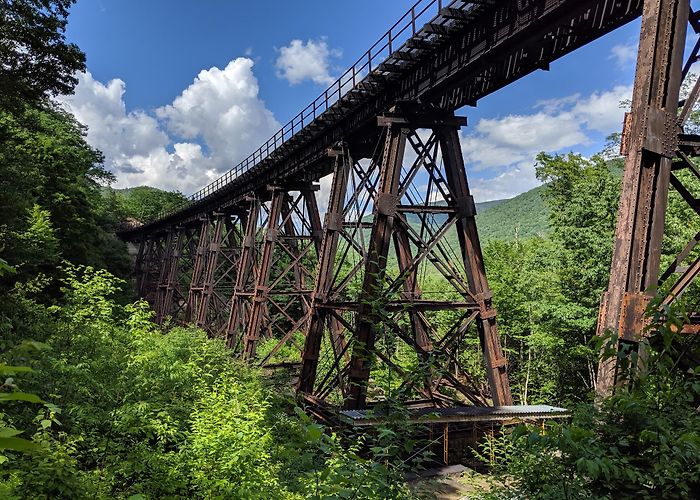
point(656, 151)
point(214, 272)
point(369, 301)
point(271, 297)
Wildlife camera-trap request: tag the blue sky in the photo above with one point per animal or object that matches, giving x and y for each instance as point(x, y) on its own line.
point(178, 91)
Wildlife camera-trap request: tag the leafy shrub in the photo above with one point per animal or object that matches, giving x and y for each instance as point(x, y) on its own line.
point(640, 443)
point(136, 411)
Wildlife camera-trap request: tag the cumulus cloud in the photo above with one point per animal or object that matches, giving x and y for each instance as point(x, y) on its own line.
point(300, 61)
point(624, 54)
point(220, 110)
point(501, 151)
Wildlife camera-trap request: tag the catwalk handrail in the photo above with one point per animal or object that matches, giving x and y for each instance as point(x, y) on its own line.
point(399, 33)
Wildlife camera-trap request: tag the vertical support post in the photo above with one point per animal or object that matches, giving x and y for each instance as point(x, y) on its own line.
point(213, 248)
point(649, 143)
point(149, 259)
point(384, 212)
point(446, 443)
point(314, 217)
point(194, 296)
point(473, 259)
point(324, 275)
point(245, 266)
point(411, 289)
point(258, 309)
point(292, 244)
point(140, 264)
point(168, 274)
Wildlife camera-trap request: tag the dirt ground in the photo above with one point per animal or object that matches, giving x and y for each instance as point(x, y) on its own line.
point(453, 486)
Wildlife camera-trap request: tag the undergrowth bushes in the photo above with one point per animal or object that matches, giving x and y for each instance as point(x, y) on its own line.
point(128, 411)
point(642, 442)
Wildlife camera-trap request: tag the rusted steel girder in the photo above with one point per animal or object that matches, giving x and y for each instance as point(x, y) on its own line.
point(650, 143)
point(145, 268)
point(262, 274)
point(175, 274)
point(289, 288)
point(245, 280)
point(284, 272)
point(214, 273)
point(374, 295)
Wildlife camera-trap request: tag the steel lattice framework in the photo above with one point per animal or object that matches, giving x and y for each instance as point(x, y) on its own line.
point(394, 265)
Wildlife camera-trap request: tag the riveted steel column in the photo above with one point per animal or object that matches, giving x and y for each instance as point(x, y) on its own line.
point(649, 142)
point(140, 264)
point(212, 258)
point(255, 322)
point(195, 293)
point(246, 262)
point(470, 246)
point(324, 275)
point(384, 211)
point(168, 274)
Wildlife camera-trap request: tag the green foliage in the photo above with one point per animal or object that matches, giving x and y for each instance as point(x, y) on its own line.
point(50, 195)
point(144, 203)
point(524, 216)
point(135, 411)
point(640, 443)
point(584, 195)
point(36, 61)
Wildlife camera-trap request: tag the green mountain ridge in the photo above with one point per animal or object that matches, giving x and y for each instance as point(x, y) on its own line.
point(523, 216)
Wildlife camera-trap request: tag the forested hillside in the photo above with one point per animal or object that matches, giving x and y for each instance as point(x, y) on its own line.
point(96, 401)
point(524, 216)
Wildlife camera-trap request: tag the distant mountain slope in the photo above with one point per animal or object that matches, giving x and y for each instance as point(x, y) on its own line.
point(487, 205)
point(525, 215)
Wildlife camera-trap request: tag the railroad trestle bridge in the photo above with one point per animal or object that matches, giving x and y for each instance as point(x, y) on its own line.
point(392, 261)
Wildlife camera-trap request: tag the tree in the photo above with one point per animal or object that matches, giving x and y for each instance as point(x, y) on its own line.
point(35, 60)
point(145, 203)
point(45, 161)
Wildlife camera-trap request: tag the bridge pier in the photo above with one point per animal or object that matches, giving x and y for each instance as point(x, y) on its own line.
point(378, 297)
point(240, 303)
point(147, 267)
point(214, 272)
point(656, 150)
point(175, 274)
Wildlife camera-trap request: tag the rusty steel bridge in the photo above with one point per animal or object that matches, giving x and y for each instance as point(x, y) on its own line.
point(392, 264)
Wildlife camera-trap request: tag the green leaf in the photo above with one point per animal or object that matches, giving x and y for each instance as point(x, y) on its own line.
point(314, 432)
point(19, 396)
point(9, 370)
point(6, 432)
point(45, 424)
point(17, 444)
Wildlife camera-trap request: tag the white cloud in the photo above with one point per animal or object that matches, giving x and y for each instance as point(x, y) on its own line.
point(624, 54)
point(502, 150)
point(601, 111)
point(301, 61)
point(220, 109)
point(519, 178)
point(514, 138)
